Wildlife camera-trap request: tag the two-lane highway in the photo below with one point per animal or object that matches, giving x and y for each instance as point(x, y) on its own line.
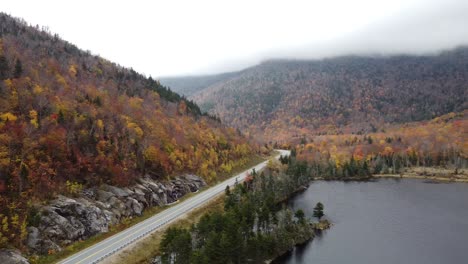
point(120, 240)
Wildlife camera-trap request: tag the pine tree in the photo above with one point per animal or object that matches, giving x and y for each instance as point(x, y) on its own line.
point(18, 69)
point(365, 169)
point(300, 215)
point(4, 69)
point(293, 153)
point(176, 246)
point(318, 210)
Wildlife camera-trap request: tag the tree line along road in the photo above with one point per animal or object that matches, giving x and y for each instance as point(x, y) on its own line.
point(117, 242)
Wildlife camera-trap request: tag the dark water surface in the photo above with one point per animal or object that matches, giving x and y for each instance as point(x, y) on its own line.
point(387, 221)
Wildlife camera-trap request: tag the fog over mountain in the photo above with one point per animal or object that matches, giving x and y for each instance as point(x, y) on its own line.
point(164, 38)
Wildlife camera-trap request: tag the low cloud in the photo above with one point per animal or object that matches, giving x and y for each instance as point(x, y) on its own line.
point(164, 38)
point(420, 30)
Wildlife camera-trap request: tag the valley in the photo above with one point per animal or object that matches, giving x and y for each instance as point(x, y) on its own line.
point(258, 146)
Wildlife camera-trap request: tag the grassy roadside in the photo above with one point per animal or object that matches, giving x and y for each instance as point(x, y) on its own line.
point(147, 213)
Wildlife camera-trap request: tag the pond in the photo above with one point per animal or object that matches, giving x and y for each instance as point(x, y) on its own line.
point(386, 221)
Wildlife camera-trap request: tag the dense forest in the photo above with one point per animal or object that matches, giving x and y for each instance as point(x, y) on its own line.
point(280, 99)
point(441, 142)
point(70, 119)
point(253, 226)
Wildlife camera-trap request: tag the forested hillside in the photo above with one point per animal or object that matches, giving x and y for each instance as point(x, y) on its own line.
point(69, 119)
point(277, 100)
point(441, 142)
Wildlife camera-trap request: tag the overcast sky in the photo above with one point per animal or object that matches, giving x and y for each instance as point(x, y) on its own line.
point(173, 37)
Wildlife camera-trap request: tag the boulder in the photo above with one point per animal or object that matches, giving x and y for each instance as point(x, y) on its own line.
point(151, 185)
point(196, 180)
point(141, 194)
point(104, 196)
point(111, 218)
point(89, 193)
point(94, 220)
point(117, 206)
point(133, 206)
point(103, 206)
point(57, 227)
point(67, 219)
point(116, 191)
point(33, 237)
point(8, 256)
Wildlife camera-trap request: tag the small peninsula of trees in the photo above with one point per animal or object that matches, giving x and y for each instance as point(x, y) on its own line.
point(253, 225)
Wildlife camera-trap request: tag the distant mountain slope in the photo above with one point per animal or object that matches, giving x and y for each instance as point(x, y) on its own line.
point(189, 85)
point(69, 119)
point(277, 100)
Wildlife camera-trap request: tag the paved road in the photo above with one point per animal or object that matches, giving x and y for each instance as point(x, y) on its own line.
point(120, 240)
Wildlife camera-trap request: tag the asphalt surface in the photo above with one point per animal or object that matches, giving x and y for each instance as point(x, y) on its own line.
point(119, 241)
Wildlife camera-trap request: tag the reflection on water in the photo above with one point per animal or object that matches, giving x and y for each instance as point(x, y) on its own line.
point(387, 221)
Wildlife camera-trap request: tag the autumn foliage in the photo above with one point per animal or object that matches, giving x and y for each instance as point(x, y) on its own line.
point(280, 100)
point(442, 141)
point(69, 120)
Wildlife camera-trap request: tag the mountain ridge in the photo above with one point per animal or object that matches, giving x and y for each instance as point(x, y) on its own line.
point(180, 83)
point(348, 94)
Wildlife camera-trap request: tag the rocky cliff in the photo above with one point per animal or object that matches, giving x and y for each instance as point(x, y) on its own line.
point(65, 220)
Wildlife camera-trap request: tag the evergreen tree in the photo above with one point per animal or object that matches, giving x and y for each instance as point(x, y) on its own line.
point(378, 165)
point(352, 167)
point(251, 228)
point(293, 153)
point(365, 169)
point(229, 200)
point(318, 210)
point(18, 69)
point(176, 246)
point(397, 165)
point(284, 159)
point(4, 69)
point(300, 215)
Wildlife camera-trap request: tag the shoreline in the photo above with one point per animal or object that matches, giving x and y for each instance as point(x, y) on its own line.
point(315, 227)
point(432, 178)
point(318, 226)
point(442, 179)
